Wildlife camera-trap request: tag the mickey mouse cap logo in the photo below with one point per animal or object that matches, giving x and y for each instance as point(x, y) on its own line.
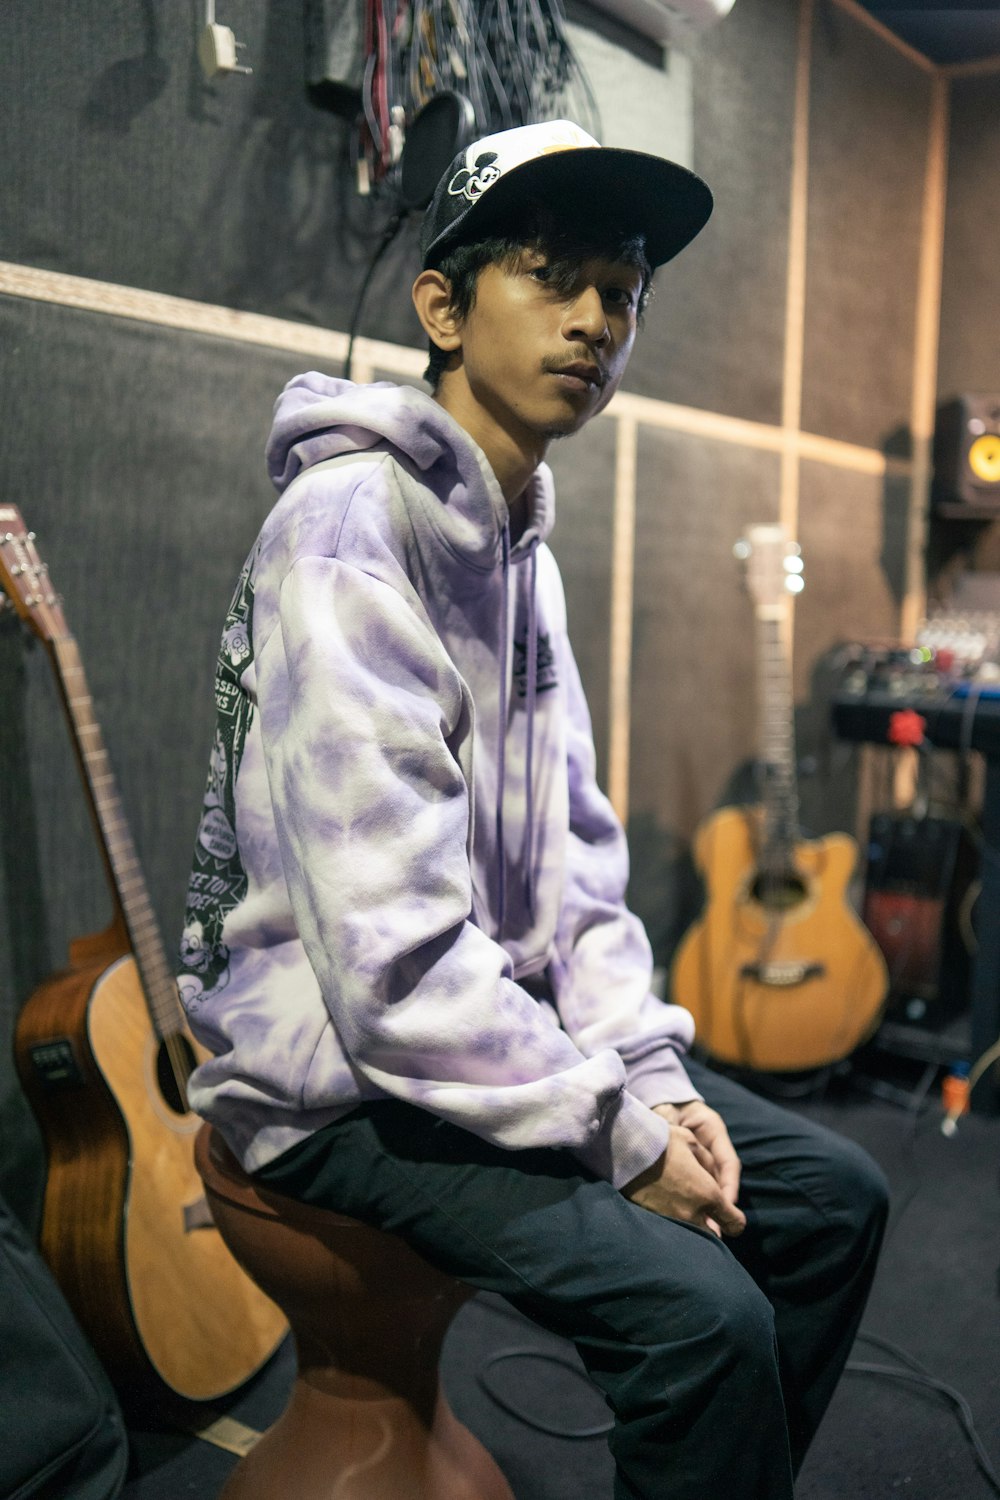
point(486, 160)
point(470, 184)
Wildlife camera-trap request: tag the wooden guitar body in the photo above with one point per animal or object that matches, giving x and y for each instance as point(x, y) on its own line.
point(126, 1230)
point(781, 978)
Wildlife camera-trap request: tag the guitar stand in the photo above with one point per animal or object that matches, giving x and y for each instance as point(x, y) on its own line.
point(909, 1099)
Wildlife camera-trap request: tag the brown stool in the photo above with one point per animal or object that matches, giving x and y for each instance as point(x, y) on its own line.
point(366, 1419)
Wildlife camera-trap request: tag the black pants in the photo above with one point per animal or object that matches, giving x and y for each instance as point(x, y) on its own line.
point(717, 1358)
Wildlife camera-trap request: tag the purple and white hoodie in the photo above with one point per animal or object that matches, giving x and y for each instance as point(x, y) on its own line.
point(401, 827)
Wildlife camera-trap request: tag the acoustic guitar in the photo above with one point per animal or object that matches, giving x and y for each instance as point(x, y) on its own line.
point(780, 973)
point(103, 1055)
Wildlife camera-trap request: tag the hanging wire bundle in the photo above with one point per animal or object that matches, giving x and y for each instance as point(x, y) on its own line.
point(510, 58)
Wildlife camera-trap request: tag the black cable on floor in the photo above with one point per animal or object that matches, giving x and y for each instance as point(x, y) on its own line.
point(919, 1375)
point(527, 1350)
point(915, 1373)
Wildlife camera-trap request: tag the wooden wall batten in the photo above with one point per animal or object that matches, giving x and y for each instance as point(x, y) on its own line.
point(185, 315)
point(791, 401)
point(925, 354)
point(982, 67)
point(620, 645)
point(865, 18)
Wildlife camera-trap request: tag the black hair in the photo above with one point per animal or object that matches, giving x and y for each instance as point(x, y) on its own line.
point(565, 239)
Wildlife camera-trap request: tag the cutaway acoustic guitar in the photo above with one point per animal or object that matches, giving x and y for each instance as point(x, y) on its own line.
point(104, 1055)
point(780, 973)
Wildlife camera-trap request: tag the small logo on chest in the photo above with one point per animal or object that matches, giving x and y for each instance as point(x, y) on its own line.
point(545, 667)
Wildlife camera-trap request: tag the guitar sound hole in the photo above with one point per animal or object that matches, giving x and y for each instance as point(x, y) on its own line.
point(780, 891)
point(166, 1074)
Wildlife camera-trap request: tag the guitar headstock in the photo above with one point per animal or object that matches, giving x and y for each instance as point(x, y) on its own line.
point(25, 578)
point(773, 566)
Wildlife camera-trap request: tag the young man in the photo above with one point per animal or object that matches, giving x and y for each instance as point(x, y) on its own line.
point(407, 945)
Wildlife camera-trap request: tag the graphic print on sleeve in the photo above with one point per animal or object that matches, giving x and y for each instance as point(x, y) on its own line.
point(218, 880)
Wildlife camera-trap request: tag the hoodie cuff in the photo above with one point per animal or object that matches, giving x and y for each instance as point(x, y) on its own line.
point(660, 1079)
point(631, 1139)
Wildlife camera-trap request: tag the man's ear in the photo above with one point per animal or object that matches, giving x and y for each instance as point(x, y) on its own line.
point(432, 300)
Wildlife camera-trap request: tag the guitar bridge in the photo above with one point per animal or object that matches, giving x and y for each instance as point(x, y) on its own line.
point(783, 974)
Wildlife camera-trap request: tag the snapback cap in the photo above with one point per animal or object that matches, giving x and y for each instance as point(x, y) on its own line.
point(558, 163)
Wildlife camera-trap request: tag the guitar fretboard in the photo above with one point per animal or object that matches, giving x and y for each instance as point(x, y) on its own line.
point(128, 882)
point(777, 741)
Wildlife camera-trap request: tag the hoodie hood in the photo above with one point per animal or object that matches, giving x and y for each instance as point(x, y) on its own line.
point(318, 417)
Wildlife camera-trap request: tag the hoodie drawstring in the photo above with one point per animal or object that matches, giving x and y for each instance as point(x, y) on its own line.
point(531, 688)
point(502, 736)
point(529, 853)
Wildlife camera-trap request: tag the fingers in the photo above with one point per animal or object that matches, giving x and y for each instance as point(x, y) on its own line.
point(729, 1179)
point(720, 1216)
point(683, 1184)
point(731, 1220)
point(710, 1130)
point(727, 1165)
point(705, 1133)
point(697, 1176)
point(700, 1152)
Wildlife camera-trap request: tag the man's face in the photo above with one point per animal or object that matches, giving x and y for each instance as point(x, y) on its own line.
point(540, 359)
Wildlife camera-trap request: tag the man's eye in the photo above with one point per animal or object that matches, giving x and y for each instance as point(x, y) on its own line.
point(619, 296)
point(541, 273)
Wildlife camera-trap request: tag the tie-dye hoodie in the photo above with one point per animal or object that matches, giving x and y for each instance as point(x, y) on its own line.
point(402, 822)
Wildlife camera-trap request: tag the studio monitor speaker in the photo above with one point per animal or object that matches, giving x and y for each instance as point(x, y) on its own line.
point(967, 458)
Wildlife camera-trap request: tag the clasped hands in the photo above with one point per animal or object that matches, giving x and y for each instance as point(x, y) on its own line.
point(697, 1178)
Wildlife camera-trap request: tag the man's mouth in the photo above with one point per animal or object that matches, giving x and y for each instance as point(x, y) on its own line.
point(581, 375)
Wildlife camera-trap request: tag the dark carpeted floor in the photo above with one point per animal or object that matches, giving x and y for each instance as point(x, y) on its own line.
point(937, 1297)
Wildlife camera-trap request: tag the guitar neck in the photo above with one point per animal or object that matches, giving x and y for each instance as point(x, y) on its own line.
point(777, 736)
point(128, 886)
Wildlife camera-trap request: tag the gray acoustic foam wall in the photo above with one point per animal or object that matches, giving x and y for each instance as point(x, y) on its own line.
point(852, 588)
point(122, 163)
point(970, 302)
point(136, 455)
point(714, 335)
point(851, 529)
point(868, 148)
point(584, 470)
point(693, 720)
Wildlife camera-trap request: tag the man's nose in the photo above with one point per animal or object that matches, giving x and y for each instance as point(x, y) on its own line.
point(586, 319)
